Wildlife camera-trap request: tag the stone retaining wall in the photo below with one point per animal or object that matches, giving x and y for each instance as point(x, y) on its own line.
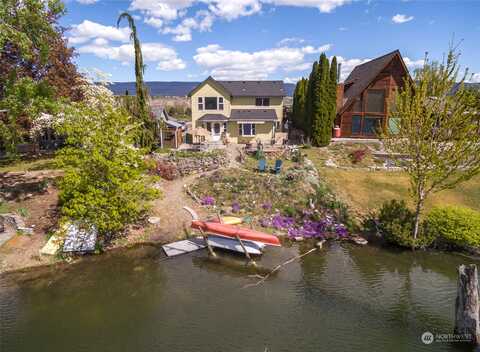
point(194, 162)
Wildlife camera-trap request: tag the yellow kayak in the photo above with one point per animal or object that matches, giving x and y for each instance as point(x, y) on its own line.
point(230, 220)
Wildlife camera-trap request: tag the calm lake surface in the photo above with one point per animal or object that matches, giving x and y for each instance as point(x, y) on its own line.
point(343, 298)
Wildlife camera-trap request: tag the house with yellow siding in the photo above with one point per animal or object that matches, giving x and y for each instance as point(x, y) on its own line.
point(239, 111)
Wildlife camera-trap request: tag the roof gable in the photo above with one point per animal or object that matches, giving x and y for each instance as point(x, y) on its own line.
point(214, 83)
point(363, 75)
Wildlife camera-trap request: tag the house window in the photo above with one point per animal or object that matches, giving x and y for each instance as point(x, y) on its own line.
point(209, 127)
point(376, 100)
point(246, 129)
point(225, 127)
point(262, 101)
point(200, 103)
point(371, 125)
point(210, 103)
point(220, 103)
point(356, 124)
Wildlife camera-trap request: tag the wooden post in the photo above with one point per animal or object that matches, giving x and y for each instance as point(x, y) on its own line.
point(210, 249)
point(467, 304)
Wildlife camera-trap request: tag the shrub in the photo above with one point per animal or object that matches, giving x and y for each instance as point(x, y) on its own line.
point(358, 155)
point(395, 223)
point(166, 170)
point(454, 226)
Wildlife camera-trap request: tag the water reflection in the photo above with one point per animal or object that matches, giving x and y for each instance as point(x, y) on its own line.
point(338, 299)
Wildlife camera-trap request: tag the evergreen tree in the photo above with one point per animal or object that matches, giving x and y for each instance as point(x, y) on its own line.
point(295, 108)
point(143, 111)
point(333, 96)
point(321, 104)
point(310, 99)
point(302, 101)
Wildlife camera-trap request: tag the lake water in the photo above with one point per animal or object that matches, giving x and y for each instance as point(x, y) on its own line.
point(343, 298)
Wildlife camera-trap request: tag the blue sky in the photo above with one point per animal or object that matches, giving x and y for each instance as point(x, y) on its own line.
point(185, 40)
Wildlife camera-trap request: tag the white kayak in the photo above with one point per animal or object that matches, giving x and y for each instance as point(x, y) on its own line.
point(233, 244)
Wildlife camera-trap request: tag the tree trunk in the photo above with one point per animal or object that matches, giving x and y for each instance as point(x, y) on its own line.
point(467, 304)
point(418, 212)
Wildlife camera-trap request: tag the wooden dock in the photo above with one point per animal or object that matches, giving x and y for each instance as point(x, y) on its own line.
point(184, 247)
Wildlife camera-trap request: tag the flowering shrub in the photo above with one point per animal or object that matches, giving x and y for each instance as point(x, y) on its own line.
point(208, 200)
point(358, 155)
point(235, 207)
point(306, 227)
point(166, 170)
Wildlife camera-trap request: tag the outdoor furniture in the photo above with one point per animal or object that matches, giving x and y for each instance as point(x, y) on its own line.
point(262, 165)
point(277, 167)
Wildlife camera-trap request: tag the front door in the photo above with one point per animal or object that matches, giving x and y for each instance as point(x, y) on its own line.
point(216, 132)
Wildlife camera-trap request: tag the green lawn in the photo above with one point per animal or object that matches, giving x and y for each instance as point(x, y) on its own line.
point(366, 190)
point(28, 165)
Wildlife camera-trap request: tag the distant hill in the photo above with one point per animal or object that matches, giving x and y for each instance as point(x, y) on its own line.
point(175, 89)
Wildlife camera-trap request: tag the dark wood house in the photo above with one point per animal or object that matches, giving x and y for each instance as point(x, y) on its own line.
point(367, 95)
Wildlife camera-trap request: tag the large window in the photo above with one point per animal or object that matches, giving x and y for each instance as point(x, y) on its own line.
point(246, 129)
point(356, 124)
point(376, 100)
point(262, 101)
point(371, 125)
point(210, 103)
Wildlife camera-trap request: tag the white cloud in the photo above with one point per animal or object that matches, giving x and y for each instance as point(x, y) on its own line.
point(292, 40)
point(87, 2)
point(234, 64)
point(342, 29)
point(325, 6)
point(165, 57)
point(398, 18)
point(231, 10)
point(83, 32)
point(154, 22)
point(475, 78)
point(413, 64)
point(292, 79)
point(157, 12)
point(163, 9)
point(202, 21)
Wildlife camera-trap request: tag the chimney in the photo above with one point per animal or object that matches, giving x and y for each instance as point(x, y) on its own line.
point(340, 91)
point(339, 71)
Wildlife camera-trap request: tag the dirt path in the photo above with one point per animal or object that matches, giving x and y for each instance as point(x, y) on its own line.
point(173, 218)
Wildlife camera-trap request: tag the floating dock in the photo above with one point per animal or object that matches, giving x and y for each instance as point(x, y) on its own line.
point(184, 247)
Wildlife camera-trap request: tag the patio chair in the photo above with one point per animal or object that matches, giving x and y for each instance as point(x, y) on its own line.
point(277, 167)
point(262, 165)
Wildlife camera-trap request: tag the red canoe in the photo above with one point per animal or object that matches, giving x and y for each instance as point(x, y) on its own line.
point(231, 231)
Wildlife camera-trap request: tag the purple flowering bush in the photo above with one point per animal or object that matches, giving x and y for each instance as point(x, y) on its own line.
point(208, 200)
point(236, 207)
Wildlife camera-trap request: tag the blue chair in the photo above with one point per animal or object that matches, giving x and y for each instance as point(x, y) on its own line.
point(262, 165)
point(278, 166)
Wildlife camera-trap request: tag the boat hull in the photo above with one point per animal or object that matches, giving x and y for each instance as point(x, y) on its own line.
point(234, 231)
point(231, 244)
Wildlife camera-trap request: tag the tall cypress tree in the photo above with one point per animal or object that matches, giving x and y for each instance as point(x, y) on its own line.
point(333, 96)
point(321, 105)
point(143, 111)
point(295, 108)
point(302, 100)
point(310, 100)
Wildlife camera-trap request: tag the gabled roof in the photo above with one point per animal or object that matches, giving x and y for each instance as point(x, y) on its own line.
point(213, 118)
point(246, 88)
point(363, 75)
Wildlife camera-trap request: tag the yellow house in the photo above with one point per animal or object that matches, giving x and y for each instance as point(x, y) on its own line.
point(240, 111)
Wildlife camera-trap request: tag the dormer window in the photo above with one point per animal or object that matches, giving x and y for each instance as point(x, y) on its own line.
point(262, 101)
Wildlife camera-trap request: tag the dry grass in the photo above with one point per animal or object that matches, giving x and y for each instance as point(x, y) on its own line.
point(366, 190)
point(29, 165)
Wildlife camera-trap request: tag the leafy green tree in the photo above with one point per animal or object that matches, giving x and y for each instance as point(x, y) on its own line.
point(333, 95)
point(104, 183)
point(437, 131)
point(142, 109)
